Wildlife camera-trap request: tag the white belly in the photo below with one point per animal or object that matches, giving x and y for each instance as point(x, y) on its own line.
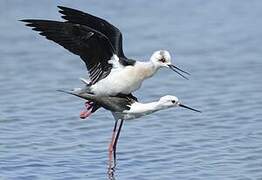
point(124, 81)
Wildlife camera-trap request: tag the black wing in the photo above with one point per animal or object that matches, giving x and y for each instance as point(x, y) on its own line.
point(101, 25)
point(118, 103)
point(94, 48)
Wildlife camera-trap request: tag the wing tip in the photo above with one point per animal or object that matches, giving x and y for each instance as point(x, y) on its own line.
point(26, 20)
point(33, 23)
point(22, 20)
point(63, 9)
point(60, 7)
point(30, 21)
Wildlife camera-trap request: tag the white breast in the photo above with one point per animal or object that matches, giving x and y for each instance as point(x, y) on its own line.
point(122, 80)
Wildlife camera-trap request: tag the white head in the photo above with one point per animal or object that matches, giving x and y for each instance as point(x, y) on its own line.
point(162, 58)
point(168, 101)
point(172, 101)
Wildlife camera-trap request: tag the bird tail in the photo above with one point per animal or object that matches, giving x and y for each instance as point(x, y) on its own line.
point(79, 93)
point(90, 106)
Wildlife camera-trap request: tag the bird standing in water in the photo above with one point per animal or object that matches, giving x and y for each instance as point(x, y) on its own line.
point(127, 108)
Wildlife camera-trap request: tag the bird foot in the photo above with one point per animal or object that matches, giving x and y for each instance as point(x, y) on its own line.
point(87, 110)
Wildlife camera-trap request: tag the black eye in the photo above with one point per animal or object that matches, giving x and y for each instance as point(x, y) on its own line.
point(173, 102)
point(162, 60)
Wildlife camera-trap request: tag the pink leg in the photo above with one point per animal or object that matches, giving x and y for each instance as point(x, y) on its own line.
point(116, 140)
point(111, 147)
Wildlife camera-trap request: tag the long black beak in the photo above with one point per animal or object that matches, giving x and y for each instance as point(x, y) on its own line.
point(178, 70)
point(184, 106)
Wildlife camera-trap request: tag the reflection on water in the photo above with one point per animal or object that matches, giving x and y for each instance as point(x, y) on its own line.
point(111, 174)
point(41, 136)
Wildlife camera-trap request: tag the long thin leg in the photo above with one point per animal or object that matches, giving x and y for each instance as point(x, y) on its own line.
point(111, 145)
point(116, 140)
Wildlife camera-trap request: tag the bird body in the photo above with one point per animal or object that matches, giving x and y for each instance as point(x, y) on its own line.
point(127, 108)
point(124, 79)
point(99, 45)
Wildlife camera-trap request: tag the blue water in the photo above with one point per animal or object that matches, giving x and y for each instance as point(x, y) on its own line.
point(219, 42)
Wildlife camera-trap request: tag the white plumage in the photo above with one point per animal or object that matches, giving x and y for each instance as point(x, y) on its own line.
point(127, 79)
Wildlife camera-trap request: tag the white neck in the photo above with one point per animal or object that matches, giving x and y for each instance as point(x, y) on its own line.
point(148, 69)
point(147, 108)
point(140, 109)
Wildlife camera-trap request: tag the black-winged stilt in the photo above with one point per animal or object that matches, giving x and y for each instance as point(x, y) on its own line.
point(99, 44)
point(127, 108)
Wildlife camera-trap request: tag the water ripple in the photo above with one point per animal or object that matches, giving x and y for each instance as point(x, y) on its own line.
point(42, 137)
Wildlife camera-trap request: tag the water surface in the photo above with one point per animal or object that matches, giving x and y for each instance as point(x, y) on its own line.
point(219, 42)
